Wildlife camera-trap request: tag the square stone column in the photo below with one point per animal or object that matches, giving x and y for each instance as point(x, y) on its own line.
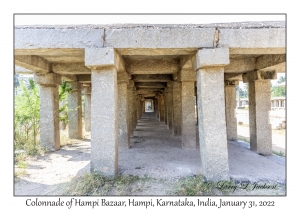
point(165, 107)
point(87, 108)
point(230, 104)
point(169, 104)
point(209, 64)
point(49, 110)
point(130, 107)
point(75, 111)
point(138, 107)
point(123, 135)
point(259, 92)
point(156, 107)
point(176, 108)
point(162, 108)
point(134, 95)
point(104, 64)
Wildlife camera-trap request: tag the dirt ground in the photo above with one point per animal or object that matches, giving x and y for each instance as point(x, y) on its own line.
point(154, 153)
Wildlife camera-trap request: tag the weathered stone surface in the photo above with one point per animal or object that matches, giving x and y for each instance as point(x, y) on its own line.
point(49, 114)
point(33, 63)
point(86, 78)
point(21, 70)
point(212, 124)
point(75, 111)
point(103, 58)
point(240, 65)
point(259, 107)
point(104, 134)
point(70, 68)
point(271, 62)
point(259, 75)
point(230, 104)
point(188, 127)
point(47, 79)
point(152, 78)
point(162, 108)
point(233, 76)
point(159, 38)
point(153, 66)
point(87, 91)
point(150, 85)
point(130, 107)
point(187, 75)
point(211, 57)
point(166, 107)
point(253, 38)
point(169, 105)
point(123, 135)
point(58, 38)
point(176, 108)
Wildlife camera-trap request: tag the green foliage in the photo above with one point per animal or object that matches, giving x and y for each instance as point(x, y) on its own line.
point(243, 91)
point(277, 91)
point(64, 90)
point(27, 117)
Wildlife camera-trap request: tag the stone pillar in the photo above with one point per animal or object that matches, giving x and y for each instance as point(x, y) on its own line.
point(156, 107)
point(130, 107)
point(162, 108)
point(104, 64)
point(138, 107)
point(209, 64)
point(49, 110)
point(165, 108)
point(176, 108)
point(169, 104)
point(62, 124)
point(123, 135)
point(230, 104)
point(134, 95)
point(75, 111)
point(187, 77)
point(87, 108)
point(259, 90)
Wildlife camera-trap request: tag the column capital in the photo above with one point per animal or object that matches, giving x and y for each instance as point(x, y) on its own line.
point(87, 90)
point(47, 79)
point(187, 75)
point(259, 75)
point(75, 85)
point(103, 58)
point(123, 77)
point(207, 58)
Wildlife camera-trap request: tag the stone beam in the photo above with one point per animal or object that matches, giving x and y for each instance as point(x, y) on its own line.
point(21, 70)
point(153, 66)
point(233, 76)
point(240, 66)
point(259, 75)
point(84, 78)
point(159, 38)
point(186, 62)
point(254, 41)
point(187, 75)
point(70, 68)
point(33, 63)
point(154, 85)
point(152, 77)
point(68, 77)
point(103, 58)
point(148, 91)
point(57, 38)
point(156, 51)
point(271, 62)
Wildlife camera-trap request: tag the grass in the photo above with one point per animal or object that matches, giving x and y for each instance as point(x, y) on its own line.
point(96, 184)
point(193, 185)
point(279, 153)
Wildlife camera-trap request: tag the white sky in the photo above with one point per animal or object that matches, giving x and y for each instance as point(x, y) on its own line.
point(147, 19)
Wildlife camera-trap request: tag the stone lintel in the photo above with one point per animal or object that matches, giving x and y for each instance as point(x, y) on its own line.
point(271, 62)
point(84, 78)
point(233, 76)
point(87, 90)
point(47, 79)
point(259, 75)
point(69, 77)
point(103, 58)
point(206, 58)
point(187, 75)
point(70, 68)
point(153, 66)
point(257, 50)
point(240, 65)
point(152, 77)
point(155, 85)
point(33, 63)
point(123, 77)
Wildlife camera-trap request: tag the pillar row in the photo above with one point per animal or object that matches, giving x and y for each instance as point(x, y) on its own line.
point(169, 104)
point(49, 110)
point(130, 107)
point(75, 111)
point(230, 104)
point(162, 108)
point(165, 107)
point(123, 135)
